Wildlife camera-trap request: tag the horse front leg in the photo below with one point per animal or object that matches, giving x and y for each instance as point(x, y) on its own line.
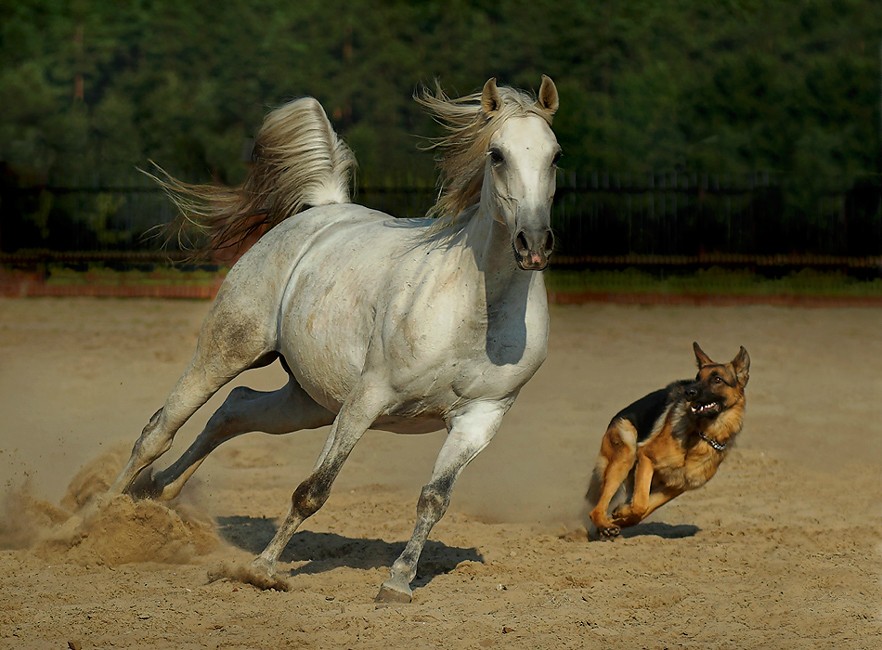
point(468, 434)
point(357, 414)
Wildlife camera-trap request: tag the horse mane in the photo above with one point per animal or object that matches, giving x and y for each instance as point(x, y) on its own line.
point(462, 151)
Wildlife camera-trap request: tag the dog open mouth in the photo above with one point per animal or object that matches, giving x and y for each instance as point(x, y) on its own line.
point(711, 408)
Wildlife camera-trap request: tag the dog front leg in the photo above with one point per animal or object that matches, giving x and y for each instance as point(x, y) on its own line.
point(659, 498)
point(634, 512)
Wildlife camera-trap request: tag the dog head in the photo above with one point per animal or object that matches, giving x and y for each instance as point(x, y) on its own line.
point(717, 386)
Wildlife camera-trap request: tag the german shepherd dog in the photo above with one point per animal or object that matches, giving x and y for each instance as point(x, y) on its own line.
point(666, 443)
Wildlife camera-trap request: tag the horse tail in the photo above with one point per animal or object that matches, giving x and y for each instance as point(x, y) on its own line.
point(298, 162)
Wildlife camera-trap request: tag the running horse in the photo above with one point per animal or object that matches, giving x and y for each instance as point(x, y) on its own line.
point(403, 325)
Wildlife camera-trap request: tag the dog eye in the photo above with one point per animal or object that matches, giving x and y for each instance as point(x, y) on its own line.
point(718, 380)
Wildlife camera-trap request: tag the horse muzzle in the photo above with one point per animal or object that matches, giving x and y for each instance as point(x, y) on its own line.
point(532, 248)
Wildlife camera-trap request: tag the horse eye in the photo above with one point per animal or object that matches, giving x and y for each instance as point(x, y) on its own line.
point(496, 157)
point(556, 158)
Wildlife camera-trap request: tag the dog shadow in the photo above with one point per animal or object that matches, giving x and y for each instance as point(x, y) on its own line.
point(660, 529)
point(323, 552)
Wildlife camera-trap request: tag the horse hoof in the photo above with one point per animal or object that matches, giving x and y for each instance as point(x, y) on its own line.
point(392, 593)
point(144, 486)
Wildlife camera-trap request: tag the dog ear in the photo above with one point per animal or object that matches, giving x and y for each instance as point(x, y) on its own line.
point(741, 364)
point(700, 356)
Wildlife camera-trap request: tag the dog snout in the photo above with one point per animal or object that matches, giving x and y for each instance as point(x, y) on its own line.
point(691, 392)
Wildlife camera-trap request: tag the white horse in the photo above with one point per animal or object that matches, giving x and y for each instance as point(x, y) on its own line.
point(408, 325)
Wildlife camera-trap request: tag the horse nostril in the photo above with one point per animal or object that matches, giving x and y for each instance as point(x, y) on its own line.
point(549, 241)
point(521, 242)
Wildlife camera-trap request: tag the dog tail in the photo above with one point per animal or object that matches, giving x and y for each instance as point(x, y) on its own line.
point(592, 496)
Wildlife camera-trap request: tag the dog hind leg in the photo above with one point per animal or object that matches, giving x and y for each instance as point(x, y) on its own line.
point(618, 453)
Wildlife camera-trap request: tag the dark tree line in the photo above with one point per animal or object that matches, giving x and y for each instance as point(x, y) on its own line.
point(91, 90)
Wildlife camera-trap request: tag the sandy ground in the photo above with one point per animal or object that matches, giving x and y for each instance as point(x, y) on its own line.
point(783, 549)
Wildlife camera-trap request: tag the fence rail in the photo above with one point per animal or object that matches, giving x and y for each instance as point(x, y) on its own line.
point(127, 258)
point(599, 219)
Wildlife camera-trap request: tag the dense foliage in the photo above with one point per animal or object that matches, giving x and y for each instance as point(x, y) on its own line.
point(91, 89)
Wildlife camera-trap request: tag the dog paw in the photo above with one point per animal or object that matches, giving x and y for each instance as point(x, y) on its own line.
point(624, 516)
point(608, 532)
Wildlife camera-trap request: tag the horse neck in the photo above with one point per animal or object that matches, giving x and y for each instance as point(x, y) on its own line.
point(490, 243)
point(514, 301)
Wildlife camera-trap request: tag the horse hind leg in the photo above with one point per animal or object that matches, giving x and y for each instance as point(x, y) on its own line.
point(228, 344)
point(245, 410)
point(156, 438)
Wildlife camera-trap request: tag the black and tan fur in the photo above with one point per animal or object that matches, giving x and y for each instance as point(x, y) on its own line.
point(666, 443)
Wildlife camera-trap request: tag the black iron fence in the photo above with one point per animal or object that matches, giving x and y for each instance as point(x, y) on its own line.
point(699, 214)
point(596, 217)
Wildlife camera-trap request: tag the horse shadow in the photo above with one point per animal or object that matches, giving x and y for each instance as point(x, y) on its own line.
point(327, 551)
point(660, 529)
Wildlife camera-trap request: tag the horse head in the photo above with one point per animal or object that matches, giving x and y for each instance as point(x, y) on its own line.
point(520, 172)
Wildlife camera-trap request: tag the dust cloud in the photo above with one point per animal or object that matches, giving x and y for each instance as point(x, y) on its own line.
point(90, 528)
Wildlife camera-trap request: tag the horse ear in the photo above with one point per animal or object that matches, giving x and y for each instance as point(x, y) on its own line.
point(700, 356)
point(548, 99)
point(490, 99)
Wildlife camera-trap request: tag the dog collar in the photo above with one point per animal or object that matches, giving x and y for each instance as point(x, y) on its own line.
point(719, 446)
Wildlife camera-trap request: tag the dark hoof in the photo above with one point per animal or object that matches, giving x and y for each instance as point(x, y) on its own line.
point(144, 486)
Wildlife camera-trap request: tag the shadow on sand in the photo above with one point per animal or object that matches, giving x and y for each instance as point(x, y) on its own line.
point(661, 529)
point(327, 551)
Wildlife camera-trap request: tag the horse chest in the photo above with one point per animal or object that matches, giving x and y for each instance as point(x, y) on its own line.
point(454, 341)
point(470, 365)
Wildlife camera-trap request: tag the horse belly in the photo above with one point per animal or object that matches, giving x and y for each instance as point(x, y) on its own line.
point(325, 349)
point(325, 324)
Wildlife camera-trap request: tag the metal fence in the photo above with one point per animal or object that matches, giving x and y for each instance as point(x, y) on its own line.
point(597, 216)
point(698, 214)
